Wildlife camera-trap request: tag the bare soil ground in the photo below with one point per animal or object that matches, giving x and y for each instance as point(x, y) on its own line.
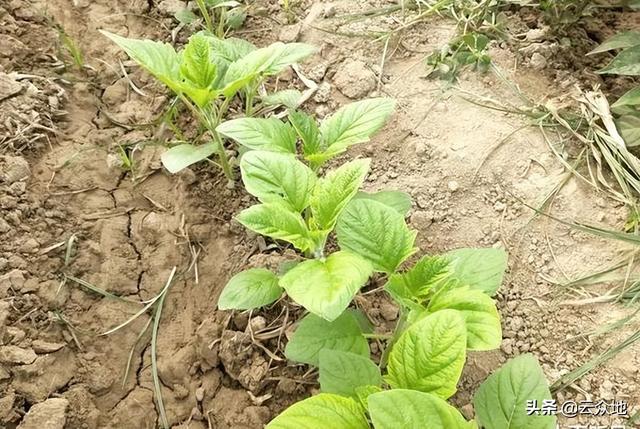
point(61, 181)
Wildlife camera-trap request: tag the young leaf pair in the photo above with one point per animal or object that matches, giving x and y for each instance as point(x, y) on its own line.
point(626, 62)
point(298, 207)
point(351, 124)
point(352, 395)
point(206, 75)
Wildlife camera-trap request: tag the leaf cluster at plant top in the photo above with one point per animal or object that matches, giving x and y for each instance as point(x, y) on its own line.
point(626, 62)
point(206, 75)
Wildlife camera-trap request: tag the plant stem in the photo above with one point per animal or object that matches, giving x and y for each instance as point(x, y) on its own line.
point(205, 15)
point(224, 159)
point(378, 336)
point(221, 20)
point(248, 109)
point(396, 334)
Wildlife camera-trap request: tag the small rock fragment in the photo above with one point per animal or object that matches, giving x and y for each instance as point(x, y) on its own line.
point(170, 7)
point(41, 346)
point(257, 323)
point(115, 94)
point(290, 33)
point(318, 72)
point(6, 405)
point(538, 61)
point(329, 11)
point(354, 79)
point(8, 86)
point(323, 93)
point(16, 355)
point(420, 148)
point(199, 394)
point(13, 169)
point(389, 311)
point(50, 414)
point(453, 186)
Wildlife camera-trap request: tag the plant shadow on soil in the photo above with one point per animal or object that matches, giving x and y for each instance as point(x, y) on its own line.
point(218, 369)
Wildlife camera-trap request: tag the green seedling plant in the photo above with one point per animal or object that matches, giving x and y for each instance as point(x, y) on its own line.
point(298, 207)
point(478, 23)
point(562, 13)
point(468, 51)
point(207, 75)
point(219, 16)
point(626, 63)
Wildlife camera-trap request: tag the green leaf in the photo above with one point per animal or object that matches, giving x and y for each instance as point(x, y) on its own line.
point(335, 190)
point(622, 40)
point(182, 156)
point(414, 285)
point(430, 354)
point(398, 200)
point(230, 49)
point(501, 401)
point(480, 316)
point(289, 98)
point(314, 334)
point(185, 16)
point(375, 232)
point(226, 4)
point(235, 18)
point(322, 411)
point(630, 98)
point(363, 393)
point(480, 269)
point(355, 123)
point(625, 63)
point(250, 289)
point(286, 54)
point(342, 372)
point(269, 134)
point(629, 126)
point(277, 221)
point(268, 61)
point(273, 177)
point(307, 129)
point(159, 59)
point(197, 65)
point(326, 287)
point(400, 408)
point(198, 71)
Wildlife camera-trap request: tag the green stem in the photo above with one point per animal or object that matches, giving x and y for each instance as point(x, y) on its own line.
point(378, 336)
point(248, 109)
point(221, 20)
point(396, 334)
point(210, 119)
point(224, 159)
point(205, 15)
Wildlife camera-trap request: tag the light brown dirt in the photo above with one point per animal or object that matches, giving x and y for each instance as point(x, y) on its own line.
point(131, 228)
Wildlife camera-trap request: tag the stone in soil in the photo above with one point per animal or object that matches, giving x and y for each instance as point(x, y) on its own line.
point(354, 79)
point(42, 347)
point(50, 414)
point(15, 355)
